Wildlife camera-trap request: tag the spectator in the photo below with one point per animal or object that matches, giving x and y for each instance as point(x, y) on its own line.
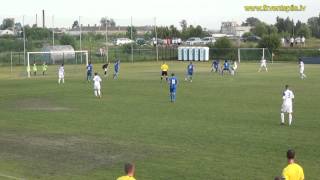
point(303, 41)
point(291, 41)
point(293, 171)
point(129, 170)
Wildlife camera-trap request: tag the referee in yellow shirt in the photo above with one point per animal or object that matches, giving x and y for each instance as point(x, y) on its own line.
point(164, 71)
point(293, 171)
point(129, 170)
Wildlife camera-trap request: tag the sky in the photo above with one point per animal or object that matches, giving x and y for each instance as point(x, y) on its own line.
point(207, 13)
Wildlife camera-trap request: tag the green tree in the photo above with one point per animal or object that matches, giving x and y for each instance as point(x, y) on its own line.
point(251, 21)
point(183, 24)
point(271, 42)
point(260, 29)
point(314, 24)
point(36, 33)
point(304, 30)
point(68, 40)
point(223, 43)
point(75, 24)
point(7, 23)
point(134, 32)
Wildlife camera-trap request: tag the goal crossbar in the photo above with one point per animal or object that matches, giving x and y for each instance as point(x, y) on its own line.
point(53, 52)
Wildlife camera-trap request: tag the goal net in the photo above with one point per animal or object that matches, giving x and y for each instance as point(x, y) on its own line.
point(56, 58)
point(254, 54)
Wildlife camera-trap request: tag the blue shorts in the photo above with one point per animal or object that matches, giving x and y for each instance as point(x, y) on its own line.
point(226, 69)
point(172, 89)
point(190, 73)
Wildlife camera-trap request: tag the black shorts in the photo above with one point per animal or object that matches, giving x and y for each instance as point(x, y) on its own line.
point(164, 73)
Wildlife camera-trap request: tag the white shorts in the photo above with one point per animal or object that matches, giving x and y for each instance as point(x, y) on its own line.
point(105, 69)
point(61, 76)
point(286, 108)
point(263, 65)
point(97, 87)
point(301, 70)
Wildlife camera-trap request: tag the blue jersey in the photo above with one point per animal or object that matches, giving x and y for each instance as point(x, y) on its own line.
point(89, 68)
point(215, 63)
point(226, 65)
point(173, 82)
point(190, 68)
point(117, 66)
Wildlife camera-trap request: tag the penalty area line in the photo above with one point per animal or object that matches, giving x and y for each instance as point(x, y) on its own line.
point(11, 177)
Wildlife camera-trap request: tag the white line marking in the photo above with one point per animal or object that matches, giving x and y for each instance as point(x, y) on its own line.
point(11, 177)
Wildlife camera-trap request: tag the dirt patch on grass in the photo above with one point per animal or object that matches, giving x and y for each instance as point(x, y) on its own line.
point(38, 104)
point(65, 155)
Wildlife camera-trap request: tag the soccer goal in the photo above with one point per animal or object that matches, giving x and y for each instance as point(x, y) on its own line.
point(254, 54)
point(56, 57)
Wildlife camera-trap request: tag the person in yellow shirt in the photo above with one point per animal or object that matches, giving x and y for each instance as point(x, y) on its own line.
point(164, 71)
point(293, 171)
point(44, 68)
point(129, 170)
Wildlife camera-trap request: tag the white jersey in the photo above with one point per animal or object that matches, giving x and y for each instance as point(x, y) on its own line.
point(301, 65)
point(97, 80)
point(287, 97)
point(61, 71)
point(235, 65)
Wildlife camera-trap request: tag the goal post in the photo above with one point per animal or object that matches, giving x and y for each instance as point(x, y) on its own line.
point(254, 54)
point(54, 55)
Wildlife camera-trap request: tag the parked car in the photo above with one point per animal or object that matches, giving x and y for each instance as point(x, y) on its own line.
point(122, 41)
point(193, 41)
point(208, 40)
point(140, 41)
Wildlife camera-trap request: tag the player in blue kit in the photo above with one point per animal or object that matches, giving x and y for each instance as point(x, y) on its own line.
point(173, 83)
point(190, 69)
point(89, 71)
point(116, 69)
point(226, 67)
point(215, 66)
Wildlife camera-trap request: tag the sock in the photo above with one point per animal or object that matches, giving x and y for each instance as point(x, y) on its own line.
point(173, 97)
point(282, 117)
point(290, 119)
point(99, 92)
point(95, 93)
point(63, 81)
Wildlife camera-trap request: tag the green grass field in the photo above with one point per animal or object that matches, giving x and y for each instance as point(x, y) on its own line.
point(220, 128)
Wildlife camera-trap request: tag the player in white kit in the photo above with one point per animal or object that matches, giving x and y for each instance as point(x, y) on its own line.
point(263, 64)
point(286, 107)
point(301, 66)
point(96, 85)
point(61, 74)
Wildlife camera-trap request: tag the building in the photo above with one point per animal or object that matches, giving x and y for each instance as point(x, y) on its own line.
point(232, 28)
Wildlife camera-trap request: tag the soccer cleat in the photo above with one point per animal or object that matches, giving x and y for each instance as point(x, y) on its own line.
point(282, 124)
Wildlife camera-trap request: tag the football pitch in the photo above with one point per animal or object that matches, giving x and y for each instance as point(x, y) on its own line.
point(220, 128)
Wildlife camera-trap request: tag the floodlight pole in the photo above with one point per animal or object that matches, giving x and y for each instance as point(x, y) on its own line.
point(80, 37)
point(52, 30)
point(155, 30)
point(107, 48)
point(131, 42)
point(24, 42)
point(11, 62)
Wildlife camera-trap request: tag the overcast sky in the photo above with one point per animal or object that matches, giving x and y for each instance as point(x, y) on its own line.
point(208, 13)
